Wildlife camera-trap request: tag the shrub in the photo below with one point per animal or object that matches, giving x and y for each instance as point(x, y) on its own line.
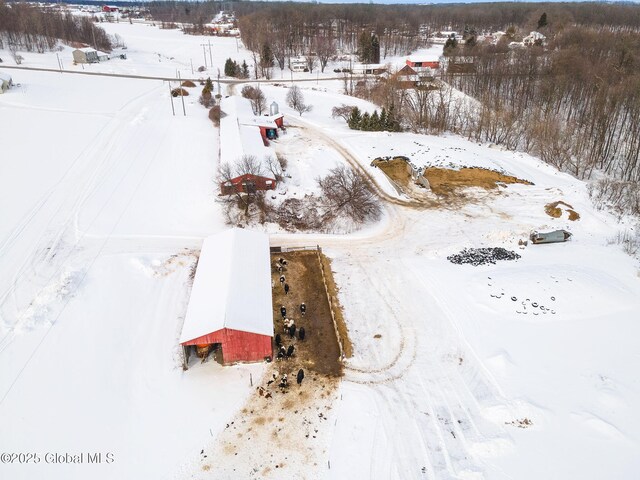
point(188, 83)
point(176, 92)
point(215, 114)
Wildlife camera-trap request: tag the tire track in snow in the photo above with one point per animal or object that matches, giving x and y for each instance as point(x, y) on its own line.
point(38, 264)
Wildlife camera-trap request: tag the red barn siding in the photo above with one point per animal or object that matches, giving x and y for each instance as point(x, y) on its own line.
point(237, 185)
point(237, 346)
point(434, 65)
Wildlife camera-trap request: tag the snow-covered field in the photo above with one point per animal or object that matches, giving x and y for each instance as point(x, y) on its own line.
point(105, 198)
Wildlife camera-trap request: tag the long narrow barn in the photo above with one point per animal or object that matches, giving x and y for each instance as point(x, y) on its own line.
point(230, 305)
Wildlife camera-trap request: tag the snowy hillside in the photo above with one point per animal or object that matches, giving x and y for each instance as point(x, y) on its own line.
point(523, 369)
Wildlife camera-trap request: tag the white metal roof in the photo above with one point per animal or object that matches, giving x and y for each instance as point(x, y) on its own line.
point(232, 286)
point(87, 49)
point(239, 130)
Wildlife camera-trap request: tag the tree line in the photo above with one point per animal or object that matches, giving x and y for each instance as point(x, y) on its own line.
point(575, 103)
point(27, 27)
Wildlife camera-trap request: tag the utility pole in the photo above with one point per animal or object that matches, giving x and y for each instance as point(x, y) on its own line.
point(171, 98)
point(210, 57)
point(93, 33)
point(204, 54)
point(59, 62)
point(184, 111)
point(191, 65)
point(218, 81)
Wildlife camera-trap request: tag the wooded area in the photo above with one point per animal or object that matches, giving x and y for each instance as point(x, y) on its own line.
point(26, 27)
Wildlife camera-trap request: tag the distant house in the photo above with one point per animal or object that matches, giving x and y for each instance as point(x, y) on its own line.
point(110, 9)
point(407, 77)
point(85, 55)
point(423, 67)
point(297, 64)
point(418, 63)
point(534, 38)
point(5, 82)
point(247, 184)
point(230, 308)
point(369, 69)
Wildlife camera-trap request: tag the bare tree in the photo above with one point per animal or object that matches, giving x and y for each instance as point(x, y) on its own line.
point(249, 164)
point(325, 48)
point(343, 111)
point(310, 61)
point(256, 97)
point(348, 193)
point(295, 100)
point(274, 166)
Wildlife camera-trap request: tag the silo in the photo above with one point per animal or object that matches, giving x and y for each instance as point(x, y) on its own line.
point(273, 109)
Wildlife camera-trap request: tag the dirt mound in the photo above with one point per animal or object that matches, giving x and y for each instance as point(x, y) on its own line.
point(444, 181)
point(554, 210)
point(176, 92)
point(396, 168)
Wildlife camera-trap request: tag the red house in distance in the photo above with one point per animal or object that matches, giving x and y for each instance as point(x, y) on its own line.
point(419, 63)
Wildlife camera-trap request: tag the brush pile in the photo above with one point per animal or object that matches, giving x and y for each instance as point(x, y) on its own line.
point(482, 256)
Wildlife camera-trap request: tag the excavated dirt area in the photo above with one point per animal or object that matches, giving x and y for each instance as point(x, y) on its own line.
point(554, 210)
point(281, 432)
point(447, 182)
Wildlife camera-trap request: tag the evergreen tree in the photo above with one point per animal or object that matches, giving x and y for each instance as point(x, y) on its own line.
point(364, 47)
point(230, 68)
point(354, 119)
point(542, 22)
point(383, 120)
point(393, 125)
point(450, 45)
point(208, 87)
point(365, 123)
point(266, 56)
point(245, 69)
point(374, 124)
point(375, 49)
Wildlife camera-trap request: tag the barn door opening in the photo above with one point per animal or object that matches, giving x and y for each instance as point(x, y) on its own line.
point(249, 187)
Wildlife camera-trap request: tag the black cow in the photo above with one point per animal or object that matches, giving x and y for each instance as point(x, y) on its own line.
point(286, 288)
point(278, 340)
point(303, 309)
point(290, 350)
point(301, 333)
point(283, 311)
point(292, 330)
point(300, 376)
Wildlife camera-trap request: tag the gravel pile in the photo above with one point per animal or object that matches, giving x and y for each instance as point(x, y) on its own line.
point(482, 256)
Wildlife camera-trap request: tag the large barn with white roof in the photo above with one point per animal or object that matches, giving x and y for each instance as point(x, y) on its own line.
point(230, 306)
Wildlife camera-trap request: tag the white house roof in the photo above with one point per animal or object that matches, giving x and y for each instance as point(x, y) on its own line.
point(87, 49)
point(232, 286)
point(239, 130)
